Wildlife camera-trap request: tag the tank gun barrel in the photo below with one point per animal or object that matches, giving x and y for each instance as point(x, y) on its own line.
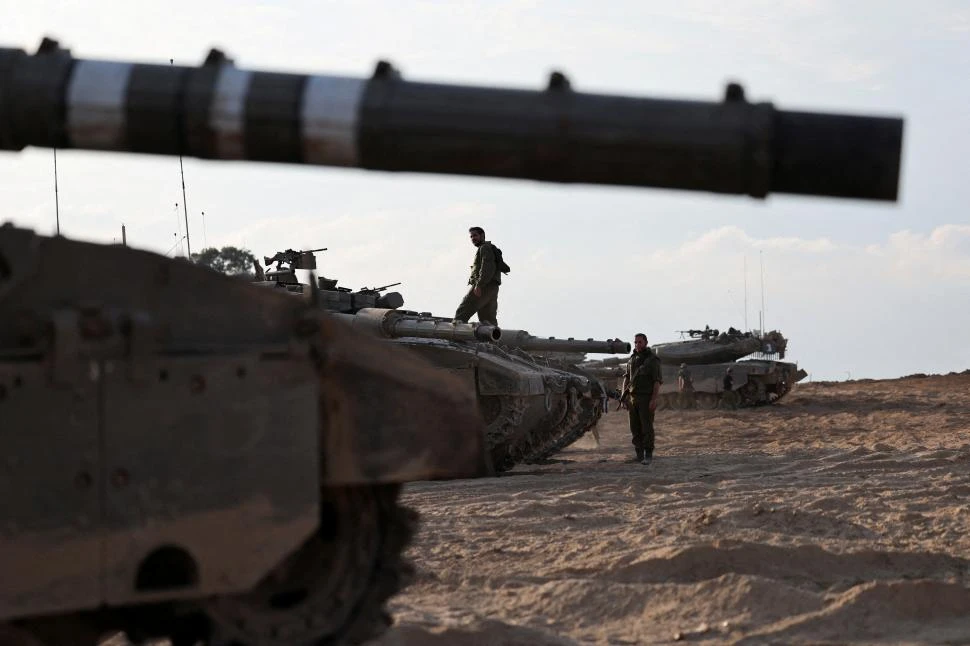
point(220, 111)
point(608, 362)
point(525, 341)
point(392, 324)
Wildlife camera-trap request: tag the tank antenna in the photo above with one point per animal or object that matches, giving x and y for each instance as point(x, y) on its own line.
point(761, 256)
point(185, 206)
point(746, 328)
point(178, 227)
point(57, 207)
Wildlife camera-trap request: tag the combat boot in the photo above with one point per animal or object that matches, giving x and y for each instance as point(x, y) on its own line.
point(647, 459)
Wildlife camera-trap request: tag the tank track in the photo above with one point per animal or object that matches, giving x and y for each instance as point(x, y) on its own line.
point(500, 432)
point(583, 416)
point(332, 591)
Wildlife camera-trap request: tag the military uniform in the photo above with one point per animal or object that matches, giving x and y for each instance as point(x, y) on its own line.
point(485, 274)
point(684, 373)
point(687, 390)
point(729, 398)
point(642, 372)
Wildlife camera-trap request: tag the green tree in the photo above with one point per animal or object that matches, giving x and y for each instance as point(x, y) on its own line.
point(228, 260)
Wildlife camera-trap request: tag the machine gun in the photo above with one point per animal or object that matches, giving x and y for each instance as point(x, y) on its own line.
point(219, 111)
point(294, 259)
point(378, 290)
point(707, 333)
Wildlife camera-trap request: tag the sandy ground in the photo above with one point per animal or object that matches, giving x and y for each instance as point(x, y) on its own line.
point(840, 515)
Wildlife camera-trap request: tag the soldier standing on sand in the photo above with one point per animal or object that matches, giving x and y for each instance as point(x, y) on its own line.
point(685, 385)
point(729, 397)
point(485, 279)
point(641, 385)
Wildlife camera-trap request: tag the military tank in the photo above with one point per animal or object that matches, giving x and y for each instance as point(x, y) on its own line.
point(591, 391)
point(190, 457)
point(285, 529)
point(707, 355)
point(532, 404)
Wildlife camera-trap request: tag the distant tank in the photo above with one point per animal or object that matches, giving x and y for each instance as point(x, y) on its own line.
point(186, 456)
point(532, 405)
point(707, 355)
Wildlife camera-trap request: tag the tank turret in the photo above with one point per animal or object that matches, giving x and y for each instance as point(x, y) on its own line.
point(714, 346)
point(220, 111)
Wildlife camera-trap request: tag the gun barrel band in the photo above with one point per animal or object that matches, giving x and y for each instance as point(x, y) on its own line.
point(387, 123)
point(329, 120)
point(96, 104)
point(227, 115)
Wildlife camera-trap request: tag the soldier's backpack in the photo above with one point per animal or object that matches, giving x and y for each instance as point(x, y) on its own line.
point(499, 262)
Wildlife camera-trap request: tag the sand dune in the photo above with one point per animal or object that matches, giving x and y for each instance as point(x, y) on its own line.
point(840, 515)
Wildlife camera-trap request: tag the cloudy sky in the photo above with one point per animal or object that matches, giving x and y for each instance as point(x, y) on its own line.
point(860, 289)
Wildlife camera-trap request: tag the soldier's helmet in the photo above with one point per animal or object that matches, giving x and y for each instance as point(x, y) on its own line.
point(730, 370)
point(683, 365)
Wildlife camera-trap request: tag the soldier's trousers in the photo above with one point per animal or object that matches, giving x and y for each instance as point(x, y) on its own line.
point(641, 426)
point(485, 306)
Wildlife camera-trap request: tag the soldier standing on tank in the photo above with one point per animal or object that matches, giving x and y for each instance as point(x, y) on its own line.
point(485, 279)
point(641, 386)
point(685, 386)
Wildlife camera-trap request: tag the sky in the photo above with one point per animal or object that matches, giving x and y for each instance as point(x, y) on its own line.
point(860, 289)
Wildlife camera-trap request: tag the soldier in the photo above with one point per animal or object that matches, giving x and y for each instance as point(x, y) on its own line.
point(641, 385)
point(729, 399)
point(482, 298)
point(685, 386)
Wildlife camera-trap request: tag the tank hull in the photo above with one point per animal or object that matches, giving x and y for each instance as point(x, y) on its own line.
point(530, 410)
point(757, 382)
point(188, 447)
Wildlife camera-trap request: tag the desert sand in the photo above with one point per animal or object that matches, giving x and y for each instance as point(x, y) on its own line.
point(839, 515)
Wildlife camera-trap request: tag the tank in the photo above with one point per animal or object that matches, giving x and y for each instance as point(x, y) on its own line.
point(198, 459)
point(532, 405)
point(759, 375)
point(707, 355)
point(592, 393)
point(206, 460)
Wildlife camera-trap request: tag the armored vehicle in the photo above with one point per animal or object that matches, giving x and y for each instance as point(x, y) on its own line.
point(592, 392)
point(758, 375)
point(192, 458)
point(532, 405)
point(188, 456)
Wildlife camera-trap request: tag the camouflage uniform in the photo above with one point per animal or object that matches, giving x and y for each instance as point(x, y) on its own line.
point(687, 394)
point(485, 274)
point(729, 398)
point(642, 372)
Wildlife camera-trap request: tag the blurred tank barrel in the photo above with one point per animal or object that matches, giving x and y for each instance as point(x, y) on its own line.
point(525, 341)
point(219, 111)
point(393, 324)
